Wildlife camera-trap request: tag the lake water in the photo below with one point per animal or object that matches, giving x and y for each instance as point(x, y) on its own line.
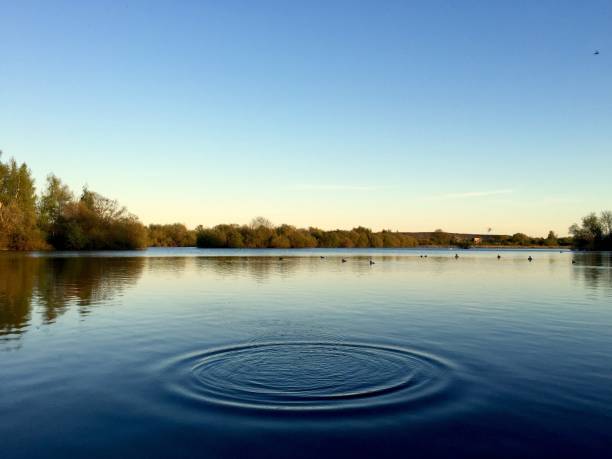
point(223, 353)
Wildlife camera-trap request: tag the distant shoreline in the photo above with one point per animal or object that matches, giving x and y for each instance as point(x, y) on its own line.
point(305, 249)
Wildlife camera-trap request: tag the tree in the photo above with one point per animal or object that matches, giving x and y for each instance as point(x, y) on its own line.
point(211, 238)
point(173, 235)
point(52, 203)
point(606, 222)
point(520, 239)
point(18, 219)
point(593, 226)
point(261, 221)
point(551, 239)
point(594, 233)
point(95, 222)
point(439, 237)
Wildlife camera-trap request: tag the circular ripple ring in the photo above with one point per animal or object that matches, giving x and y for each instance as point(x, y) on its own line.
point(308, 376)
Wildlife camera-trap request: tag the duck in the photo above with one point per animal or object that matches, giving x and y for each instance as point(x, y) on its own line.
point(573, 262)
point(456, 255)
point(281, 258)
point(372, 262)
point(498, 256)
point(344, 260)
point(530, 258)
point(322, 257)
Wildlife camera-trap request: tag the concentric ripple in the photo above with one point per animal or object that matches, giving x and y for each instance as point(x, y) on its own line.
point(308, 376)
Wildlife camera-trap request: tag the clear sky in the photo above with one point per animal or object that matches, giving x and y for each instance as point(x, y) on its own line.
point(388, 114)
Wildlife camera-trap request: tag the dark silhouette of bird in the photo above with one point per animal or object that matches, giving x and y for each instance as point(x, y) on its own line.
point(425, 256)
point(456, 256)
point(344, 260)
point(498, 256)
point(573, 262)
point(596, 53)
point(372, 262)
point(530, 258)
point(421, 256)
point(322, 257)
point(280, 258)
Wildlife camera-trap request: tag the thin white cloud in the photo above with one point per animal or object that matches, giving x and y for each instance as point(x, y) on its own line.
point(473, 194)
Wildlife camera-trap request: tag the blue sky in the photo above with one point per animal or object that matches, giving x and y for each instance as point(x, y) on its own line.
point(396, 114)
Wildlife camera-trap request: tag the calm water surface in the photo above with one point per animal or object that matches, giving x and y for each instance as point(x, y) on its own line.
point(204, 353)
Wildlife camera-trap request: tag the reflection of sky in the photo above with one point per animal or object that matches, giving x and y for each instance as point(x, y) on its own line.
point(515, 333)
point(302, 285)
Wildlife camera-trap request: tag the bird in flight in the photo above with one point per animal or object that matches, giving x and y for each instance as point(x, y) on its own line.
point(596, 52)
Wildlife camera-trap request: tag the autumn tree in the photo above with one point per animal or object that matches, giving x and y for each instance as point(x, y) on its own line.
point(18, 219)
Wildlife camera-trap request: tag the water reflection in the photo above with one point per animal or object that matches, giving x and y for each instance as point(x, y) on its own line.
point(17, 283)
point(594, 269)
point(51, 285)
point(260, 269)
point(230, 353)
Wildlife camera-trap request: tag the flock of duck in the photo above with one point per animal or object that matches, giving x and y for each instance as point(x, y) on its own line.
point(372, 262)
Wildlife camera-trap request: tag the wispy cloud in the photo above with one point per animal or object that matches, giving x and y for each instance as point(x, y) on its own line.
point(340, 187)
point(472, 194)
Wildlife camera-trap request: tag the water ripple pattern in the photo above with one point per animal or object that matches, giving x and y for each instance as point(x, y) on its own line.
point(309, 376)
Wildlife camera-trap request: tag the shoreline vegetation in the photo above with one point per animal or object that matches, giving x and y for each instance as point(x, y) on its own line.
point(56, 219)
point(261, 233)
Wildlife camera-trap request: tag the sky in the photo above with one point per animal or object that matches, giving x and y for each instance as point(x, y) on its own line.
point(404, 115)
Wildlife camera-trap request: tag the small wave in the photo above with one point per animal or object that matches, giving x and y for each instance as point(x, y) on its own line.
point(307, 376)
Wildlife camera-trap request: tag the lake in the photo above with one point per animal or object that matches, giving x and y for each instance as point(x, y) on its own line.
point(295, 353)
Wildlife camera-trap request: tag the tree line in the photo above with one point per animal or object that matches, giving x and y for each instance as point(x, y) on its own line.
point(262, 234)
point(56, 218)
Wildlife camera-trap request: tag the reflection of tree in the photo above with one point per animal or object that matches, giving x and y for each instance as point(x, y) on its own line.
point(595, 268)
point(261, 268)
point(56, 283)
point(167, 264)
point(258, 268)
point(84, 281)
point(16, 291)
